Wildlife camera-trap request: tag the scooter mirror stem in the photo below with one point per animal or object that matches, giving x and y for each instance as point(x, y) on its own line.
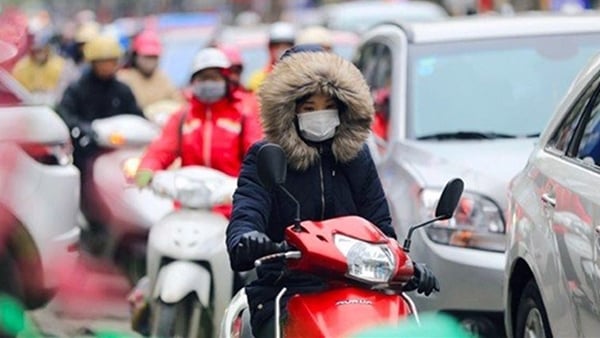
point(407, 241)
point(297, 226)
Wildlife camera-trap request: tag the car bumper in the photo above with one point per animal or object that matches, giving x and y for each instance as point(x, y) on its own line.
point(470, 280)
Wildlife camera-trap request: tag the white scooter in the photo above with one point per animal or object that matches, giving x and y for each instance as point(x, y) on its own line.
point(124, 215)
point(190, 281)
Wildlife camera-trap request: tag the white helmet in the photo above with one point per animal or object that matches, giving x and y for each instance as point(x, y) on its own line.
point(315, 35)
point(282, 32)
point(209, 58)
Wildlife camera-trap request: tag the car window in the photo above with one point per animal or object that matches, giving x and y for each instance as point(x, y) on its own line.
point(589, 146)
point(563, 136)
point(467, 86)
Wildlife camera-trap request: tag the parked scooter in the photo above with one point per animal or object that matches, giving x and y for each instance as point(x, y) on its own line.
point(189, 279)
point(365, 270)
point(123, 215)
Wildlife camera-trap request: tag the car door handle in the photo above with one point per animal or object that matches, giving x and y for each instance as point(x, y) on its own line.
point(549, 200)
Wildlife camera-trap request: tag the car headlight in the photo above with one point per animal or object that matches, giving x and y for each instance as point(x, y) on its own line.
point(367, 262)
point(477, 223)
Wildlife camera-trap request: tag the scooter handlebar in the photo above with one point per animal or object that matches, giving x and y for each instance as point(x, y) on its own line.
point(284, 251)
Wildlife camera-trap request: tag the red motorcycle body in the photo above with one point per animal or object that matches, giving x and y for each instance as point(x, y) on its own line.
point(348, 305)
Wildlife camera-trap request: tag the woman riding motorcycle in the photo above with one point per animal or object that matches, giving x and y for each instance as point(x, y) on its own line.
point(318, 108)
point(211, 131)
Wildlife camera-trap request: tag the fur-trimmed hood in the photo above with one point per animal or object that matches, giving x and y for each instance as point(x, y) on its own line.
point(303, 74)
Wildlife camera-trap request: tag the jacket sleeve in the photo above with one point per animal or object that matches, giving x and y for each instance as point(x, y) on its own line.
point(251, 210)
point(131, 106)
point(164, 149)
point(68, 107)
point(371, 201)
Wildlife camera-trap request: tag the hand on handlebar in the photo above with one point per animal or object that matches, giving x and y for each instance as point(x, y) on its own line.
point(424, 281)
point(255, 244)
point(143, 177)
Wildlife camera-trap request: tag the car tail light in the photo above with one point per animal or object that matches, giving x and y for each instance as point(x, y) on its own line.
point(50, 154)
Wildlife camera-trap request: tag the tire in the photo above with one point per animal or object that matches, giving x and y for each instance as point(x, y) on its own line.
point(173, 320)
point(10, 286)
point(532, 320)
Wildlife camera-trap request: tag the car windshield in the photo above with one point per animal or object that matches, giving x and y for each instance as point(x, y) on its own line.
point(358, 19)
point(499, 87)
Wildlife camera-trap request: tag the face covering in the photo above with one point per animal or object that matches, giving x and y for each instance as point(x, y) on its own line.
point(318, 125)
point(209, 91)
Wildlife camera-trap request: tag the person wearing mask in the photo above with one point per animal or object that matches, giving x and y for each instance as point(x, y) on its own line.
point(211, 131)
point(282, 36)
point(42, 72)
point(148, 83)
point(318, 108)
point(245, 99)
point(316, 35)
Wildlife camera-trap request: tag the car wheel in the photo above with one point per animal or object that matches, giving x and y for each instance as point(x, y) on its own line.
point(532, 320)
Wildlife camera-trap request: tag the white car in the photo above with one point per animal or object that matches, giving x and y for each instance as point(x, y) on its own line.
point(39, 197)
point(467, 98)
point(553, 221)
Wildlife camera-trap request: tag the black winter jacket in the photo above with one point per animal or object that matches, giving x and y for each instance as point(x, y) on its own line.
point(329, 179)
point(91, 98)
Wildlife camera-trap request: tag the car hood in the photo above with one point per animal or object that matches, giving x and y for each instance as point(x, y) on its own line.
point(485, 166)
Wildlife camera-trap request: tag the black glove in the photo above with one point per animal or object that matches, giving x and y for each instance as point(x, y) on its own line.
point(423, 281)
point(254, 245)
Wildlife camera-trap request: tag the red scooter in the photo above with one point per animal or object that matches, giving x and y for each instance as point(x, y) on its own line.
point(366, 271)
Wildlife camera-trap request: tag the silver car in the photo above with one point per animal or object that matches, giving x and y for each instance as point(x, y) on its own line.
point(553, 252)
point(466, 98)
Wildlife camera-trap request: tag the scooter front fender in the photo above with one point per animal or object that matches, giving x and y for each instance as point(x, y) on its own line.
point(180, 278)
point(238, 303)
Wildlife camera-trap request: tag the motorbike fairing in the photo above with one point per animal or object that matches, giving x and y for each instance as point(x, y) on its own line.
point(341, 312)
point(180, 278)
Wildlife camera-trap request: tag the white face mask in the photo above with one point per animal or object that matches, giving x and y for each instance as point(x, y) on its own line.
point(209, 91)
point(318, 125)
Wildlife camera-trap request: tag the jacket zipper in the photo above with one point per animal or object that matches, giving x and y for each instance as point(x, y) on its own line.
point(207, 143)
point(322, 183)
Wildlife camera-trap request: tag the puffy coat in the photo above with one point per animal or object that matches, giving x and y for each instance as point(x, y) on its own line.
point(152, 89)
point(332, 178)
point(215, 135)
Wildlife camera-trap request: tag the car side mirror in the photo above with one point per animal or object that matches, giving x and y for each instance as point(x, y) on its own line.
point(449, 199)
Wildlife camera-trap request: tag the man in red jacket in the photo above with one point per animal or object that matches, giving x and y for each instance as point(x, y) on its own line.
point(211, 131)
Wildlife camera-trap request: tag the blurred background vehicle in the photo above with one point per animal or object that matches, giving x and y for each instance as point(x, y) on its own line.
point(358, 16)
point(450, 105)
point(182, 35)
point(553, 222)
point(39, 197)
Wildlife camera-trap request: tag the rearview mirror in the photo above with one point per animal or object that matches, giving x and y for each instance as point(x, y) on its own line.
point(271, 166)
point(449, 199)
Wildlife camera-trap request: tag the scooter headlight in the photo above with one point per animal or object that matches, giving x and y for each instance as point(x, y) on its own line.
point(367, 262)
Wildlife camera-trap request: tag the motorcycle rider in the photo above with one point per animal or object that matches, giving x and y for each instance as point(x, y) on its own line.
point(282, 36)
point(96, 94)
point(318, 108)
point(211, 131)
point(148, 83)
point(43, 72)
